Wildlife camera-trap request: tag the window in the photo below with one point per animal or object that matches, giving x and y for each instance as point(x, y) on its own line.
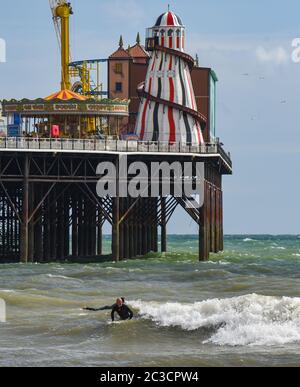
point(170, 33)
point(162, 32)
point(118, 68)
point(119, 87)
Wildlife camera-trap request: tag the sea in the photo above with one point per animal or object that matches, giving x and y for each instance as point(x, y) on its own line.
point(241, 308)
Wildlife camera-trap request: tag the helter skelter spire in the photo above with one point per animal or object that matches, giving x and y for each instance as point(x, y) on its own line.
point(121, 43)
point(168, 109)
point(138, 38)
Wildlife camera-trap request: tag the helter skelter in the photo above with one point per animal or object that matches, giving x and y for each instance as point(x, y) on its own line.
point(168, 109)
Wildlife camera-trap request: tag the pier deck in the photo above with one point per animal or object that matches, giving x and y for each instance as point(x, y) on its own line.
point(112, 146)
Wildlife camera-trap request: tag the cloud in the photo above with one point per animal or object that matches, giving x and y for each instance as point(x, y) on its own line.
point(241, 51)
point(276, 55)
point(2, 51)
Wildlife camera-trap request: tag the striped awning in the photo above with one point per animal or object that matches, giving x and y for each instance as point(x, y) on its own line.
point(65, 95)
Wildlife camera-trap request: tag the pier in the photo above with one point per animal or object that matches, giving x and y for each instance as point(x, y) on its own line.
point(50, 210)
point(160, 107)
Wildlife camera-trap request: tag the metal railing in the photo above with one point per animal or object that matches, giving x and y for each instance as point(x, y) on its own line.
point(95, 145)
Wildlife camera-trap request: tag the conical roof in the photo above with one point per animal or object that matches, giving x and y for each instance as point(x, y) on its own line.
point(168, 19)
point(65, 95)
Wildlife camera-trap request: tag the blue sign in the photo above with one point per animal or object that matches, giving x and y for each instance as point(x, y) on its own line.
point(17, 119)
point(13, 130)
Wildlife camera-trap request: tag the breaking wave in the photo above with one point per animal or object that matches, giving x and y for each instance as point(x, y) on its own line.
point(251, 320)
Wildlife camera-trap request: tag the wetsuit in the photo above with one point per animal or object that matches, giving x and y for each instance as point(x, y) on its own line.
point(123, 311)
point(103, 308)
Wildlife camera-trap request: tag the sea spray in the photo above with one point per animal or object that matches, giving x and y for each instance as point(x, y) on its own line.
point(2, 311)
point(246, 320)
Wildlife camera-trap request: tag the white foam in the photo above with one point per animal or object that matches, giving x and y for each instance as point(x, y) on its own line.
point(248, 240)
point(246, 320)
point(224, 263)
point(2, 311)
point(58, 276)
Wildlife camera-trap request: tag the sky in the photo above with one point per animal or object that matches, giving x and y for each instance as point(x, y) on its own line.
point(247, 43)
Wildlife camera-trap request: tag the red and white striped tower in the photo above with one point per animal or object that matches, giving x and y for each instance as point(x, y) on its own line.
point(168, 109)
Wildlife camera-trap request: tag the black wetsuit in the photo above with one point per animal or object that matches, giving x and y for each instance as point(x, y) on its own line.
point(123, 311)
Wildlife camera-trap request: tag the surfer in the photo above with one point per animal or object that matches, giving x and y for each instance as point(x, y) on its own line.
point(124, 312)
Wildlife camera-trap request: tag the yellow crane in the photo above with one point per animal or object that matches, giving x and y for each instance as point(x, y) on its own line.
point(61, 12)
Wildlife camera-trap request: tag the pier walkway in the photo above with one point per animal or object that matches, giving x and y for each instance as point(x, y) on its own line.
point(111, 146)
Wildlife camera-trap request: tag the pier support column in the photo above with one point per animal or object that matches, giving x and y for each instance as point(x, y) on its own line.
point(149, 223)
point(74, 225)
point(154, 227)
point(208, 218)
point(47, 230)
point(31, 246)
point(213, 220)
point(130, 233)
point(163, 226)
point(203, 230)
point(144, 228)
point(60, 226)
point(80, 225)
point(136, 234)
point(93, 251)
point(149, 237)
point(141, 229)
point(217, 227)
point(86, 227)
point(121, 229)
point(53, 224)
point(8, 224)
point(66, 225)
point(116, 230)
point(221, 223)
point(127, 254)
point(99, 231)
point(25, 213)
point(38, 228)
point(116, 219)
